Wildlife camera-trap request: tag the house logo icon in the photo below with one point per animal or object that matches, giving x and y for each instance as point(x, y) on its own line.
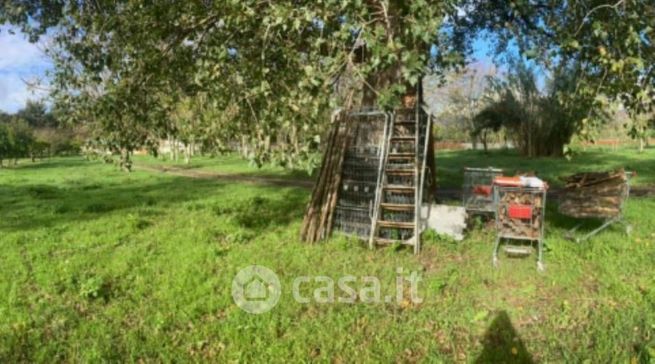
point(256, 289)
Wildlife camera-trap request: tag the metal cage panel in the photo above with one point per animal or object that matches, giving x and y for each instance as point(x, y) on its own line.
point(360, 173)
point(477, 192)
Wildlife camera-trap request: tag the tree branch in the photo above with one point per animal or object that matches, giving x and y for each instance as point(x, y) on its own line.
point(586, 17)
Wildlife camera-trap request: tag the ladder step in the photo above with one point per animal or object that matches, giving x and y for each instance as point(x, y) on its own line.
point(399, 188)
point(403, 138)
point(397, 206)
point(413, 122)
point(383, 241)
point(403, 172)
point(395, 224)
point(401, 155)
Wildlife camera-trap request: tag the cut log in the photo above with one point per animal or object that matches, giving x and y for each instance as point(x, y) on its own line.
point(596, 194)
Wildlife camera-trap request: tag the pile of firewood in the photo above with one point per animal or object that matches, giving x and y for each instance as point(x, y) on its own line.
point(526, 226)
point(317, 223)
point(598, 194)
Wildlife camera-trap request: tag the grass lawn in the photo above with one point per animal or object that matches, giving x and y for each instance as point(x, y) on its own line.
point(100, 265)
point(450, 164)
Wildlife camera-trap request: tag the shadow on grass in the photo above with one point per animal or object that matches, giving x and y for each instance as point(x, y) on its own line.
point(502, 343)
point(24, 207)
point(25, 164)
point(228, 165)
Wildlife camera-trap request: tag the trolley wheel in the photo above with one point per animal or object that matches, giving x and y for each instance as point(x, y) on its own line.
point(541, 267)
point(495, 262)
point(628, 229)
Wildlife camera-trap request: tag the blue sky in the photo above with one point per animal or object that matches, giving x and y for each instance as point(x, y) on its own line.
point(20, 61)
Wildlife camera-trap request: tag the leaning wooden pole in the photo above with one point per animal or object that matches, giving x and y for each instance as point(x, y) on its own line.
point(317, 221)
point(313, 208)
point(343, 140)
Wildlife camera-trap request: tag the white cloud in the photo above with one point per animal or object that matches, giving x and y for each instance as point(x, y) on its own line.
point(14, 93)
point(19, 60)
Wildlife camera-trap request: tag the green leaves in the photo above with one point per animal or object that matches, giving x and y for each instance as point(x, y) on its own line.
point(608, 46)
point(264, 73)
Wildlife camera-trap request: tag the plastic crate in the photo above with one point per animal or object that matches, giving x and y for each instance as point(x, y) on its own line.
point(477, 191)
point(522, 212)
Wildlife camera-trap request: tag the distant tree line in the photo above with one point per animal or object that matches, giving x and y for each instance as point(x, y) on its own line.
point(34, 132)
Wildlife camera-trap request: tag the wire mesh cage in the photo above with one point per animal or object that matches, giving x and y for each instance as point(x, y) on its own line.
point(520, 215)
point(398, 234)
point(397, 216)
point(355, 194)
point(400, 179)
point(477, 192)
point(360, 174)
point(402, 146)
point(361, 171)
point(352, 220)
point(404, 129)
point(399, 197)
point(380, 173)
point(404, 164)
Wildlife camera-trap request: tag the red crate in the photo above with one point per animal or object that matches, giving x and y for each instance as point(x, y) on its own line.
point(516, 211)
point(482, 190)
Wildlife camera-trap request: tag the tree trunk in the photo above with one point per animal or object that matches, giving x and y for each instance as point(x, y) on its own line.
point(318, 217)
point(126, 160)
point(187, 154)
point(474, 141)
point(171, 155)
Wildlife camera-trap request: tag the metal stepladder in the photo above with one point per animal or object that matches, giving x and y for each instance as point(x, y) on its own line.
point(396, 213)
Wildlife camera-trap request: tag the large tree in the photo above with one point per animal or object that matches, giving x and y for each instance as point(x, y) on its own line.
point(607, 44)
point(277, 66)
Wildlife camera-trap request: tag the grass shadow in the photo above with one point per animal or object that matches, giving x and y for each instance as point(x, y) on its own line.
point(24, 207)
point(53, 163)
point(502, 343)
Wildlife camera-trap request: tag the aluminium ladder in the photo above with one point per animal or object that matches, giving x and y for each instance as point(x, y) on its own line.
point(396, 215)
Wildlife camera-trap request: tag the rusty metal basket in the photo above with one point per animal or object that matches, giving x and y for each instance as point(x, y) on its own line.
point(477, 192)
point(520, 216)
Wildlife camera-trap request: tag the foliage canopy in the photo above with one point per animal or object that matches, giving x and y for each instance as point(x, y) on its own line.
point(266, 73)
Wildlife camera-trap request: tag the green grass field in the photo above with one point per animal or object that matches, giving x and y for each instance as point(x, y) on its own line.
point(100, 265)
point(450, 164)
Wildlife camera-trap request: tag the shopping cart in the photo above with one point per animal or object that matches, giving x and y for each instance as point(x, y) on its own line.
point(477, 192)
point(607, 199)
point(520, 212)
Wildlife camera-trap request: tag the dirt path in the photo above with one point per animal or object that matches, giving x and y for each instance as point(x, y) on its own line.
point(442, 193)
point(228, 177)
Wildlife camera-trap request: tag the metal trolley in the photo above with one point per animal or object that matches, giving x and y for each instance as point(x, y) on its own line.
point(624, 194)
point(477, 193)
point(520, 213)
